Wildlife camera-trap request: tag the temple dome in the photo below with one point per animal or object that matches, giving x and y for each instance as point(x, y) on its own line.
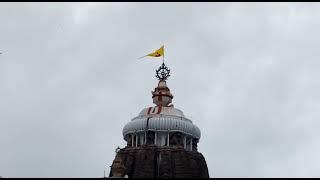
point(168, 119)
point(161, 122)
point(164, 110)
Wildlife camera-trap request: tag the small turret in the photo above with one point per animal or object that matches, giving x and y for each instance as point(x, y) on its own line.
point(161, 95)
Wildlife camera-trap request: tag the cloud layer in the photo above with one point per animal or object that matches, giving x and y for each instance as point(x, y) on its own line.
point(246, 74)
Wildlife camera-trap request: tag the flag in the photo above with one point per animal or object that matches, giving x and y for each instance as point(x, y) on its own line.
point(157, 53)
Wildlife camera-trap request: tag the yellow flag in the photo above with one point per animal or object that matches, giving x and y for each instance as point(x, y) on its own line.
point(157, 53)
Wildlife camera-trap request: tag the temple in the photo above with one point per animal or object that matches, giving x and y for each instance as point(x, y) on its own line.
point(161, 141)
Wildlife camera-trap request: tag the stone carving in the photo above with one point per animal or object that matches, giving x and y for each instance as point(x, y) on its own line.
point(176, 139)
point(159, 162)
point(150, 137)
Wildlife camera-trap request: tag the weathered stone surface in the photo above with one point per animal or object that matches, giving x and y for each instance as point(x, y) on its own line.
point(150, 161)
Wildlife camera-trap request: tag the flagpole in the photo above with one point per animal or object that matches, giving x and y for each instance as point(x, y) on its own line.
point(163, 59)
point(163, 56)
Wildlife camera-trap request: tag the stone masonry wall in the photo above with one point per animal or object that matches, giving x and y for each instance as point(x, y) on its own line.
point(150, 161)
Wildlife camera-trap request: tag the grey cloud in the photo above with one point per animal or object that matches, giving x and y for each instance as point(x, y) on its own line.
point(246, 74)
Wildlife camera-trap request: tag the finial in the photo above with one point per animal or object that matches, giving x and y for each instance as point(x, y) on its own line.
point(163, 72)
point(161, 95)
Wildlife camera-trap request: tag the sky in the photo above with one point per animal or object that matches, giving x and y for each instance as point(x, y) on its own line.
point(247, 74)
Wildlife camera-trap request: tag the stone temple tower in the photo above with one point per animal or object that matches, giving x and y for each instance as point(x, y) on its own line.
point(161, 141)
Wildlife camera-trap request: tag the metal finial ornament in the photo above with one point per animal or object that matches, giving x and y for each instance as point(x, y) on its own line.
point(163, 72)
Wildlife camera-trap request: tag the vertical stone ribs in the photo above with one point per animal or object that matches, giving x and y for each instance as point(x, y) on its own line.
point(159, 162)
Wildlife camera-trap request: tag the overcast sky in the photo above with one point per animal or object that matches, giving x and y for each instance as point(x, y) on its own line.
point(247, 74)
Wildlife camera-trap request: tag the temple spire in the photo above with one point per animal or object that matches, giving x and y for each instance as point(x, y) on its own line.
point(161, 141)
point(161, 95)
